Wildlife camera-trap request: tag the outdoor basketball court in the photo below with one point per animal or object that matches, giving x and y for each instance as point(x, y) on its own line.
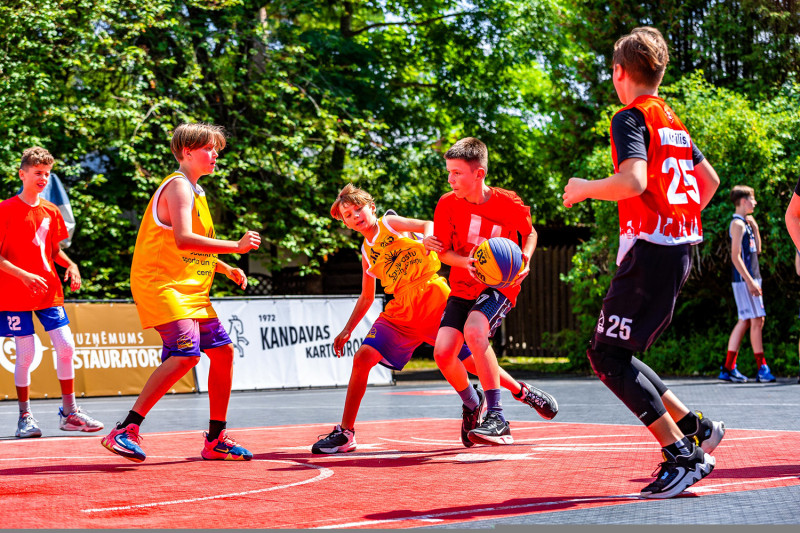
point(410, 470)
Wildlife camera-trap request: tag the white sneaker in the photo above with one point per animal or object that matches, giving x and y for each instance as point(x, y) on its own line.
point(77, 421)
point(27, 427)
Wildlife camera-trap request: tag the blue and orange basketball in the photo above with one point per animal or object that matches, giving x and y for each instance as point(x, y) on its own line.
point(498, 261)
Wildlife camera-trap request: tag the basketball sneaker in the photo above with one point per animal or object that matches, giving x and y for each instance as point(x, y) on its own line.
point(732, 375)
point(223, 448)
point(677, 474)
point(77, 421)
point(708, 434)
point(764, 375)
point(470, 419)
point(125, 442)
point(27, 427)
point(338, 441)
point(493, 430)
point(545, 404)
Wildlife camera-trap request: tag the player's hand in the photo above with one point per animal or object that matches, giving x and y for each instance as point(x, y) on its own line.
point(754, 289)
point(526, 269)
point(750, 220)
point(237, 276)
point(339, 342)
point(74, 276)
point(35, 284)
point(251, 240)
point(432, 244)
point(470, 263)
point(573, 192)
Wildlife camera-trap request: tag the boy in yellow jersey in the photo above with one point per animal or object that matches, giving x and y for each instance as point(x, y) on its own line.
point(174, 263)
point(406, 270)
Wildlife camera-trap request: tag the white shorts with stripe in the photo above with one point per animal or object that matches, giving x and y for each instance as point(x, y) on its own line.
point(747, 305)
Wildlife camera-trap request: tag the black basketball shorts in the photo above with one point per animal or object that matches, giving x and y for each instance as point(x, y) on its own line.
point(641, 299)
point(491, 303)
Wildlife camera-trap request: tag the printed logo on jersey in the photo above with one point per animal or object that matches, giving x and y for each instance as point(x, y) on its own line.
point(40, 240)
point(668, 112)
point(601, 323)
point(184, 342)
point(670, 137)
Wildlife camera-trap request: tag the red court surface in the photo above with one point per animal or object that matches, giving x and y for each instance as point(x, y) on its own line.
point(406, 473)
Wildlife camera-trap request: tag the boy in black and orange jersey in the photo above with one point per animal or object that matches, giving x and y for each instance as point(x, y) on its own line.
point(661, 184)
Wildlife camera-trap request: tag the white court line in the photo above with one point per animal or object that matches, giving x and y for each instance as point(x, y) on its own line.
point(323, 474)
point(715, 487)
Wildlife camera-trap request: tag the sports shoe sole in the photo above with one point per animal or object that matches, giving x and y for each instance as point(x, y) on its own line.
point(229, 457)
point(700, 471)
point(86, 429)
point(27, 435)
point(335, 449)
point(717, 432)
point(502, 440)
point(122, 452)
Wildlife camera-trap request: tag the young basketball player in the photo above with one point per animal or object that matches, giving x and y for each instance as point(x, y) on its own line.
point(470, 214)
point(745, 247)
point(661, 184)
point(405, 269)
point(174, 263)
point(31, 229)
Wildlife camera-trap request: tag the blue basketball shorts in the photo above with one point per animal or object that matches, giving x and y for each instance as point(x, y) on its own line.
point(20, 323)
point(187, 337)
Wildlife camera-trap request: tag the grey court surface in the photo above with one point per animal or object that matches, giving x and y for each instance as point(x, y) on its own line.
point(774, 406)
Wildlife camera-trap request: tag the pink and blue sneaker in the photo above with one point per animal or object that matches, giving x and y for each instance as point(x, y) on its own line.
point(125, 442)
point(223, 448)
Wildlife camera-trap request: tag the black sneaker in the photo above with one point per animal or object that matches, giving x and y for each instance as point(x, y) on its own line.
point(677, 474)
point(338, 441)
point(708, 434)
point(545, 405)
point(471, 419)
point(493, 430)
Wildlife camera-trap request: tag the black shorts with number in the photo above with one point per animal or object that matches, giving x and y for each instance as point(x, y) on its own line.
point(641, 299)
point(491, 303)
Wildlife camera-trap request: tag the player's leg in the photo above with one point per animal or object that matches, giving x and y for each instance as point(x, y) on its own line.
point(217, 345)
point(20, 326)
point(729, 372)
point(763, 374)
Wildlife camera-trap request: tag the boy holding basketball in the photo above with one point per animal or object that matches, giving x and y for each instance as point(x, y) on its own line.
point(174, 263)
point(31, 229)
point(405, 269)
point(465, 217)
point(661, 184)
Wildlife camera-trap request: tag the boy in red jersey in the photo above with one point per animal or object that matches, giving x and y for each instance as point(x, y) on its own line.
point(173, 268)
point(405, 269)
point(465, 217)
point(661, 184)
point(31, 229)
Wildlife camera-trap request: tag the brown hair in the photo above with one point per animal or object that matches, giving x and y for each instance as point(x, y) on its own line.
point(352, 195)
point(35, 156)
point(470, 150)
point(644, 55)
point(741, 191)
point(194, 136)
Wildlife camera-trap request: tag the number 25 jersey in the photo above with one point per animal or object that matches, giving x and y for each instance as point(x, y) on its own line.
point(668, 211)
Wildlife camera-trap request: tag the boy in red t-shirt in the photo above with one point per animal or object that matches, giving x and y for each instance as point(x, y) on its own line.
point(661, 184)
point(465, 217)
point(31, 229)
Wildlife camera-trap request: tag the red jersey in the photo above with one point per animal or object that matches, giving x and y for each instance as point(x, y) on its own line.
point(29, 238)
point(668, 211)
point(461, 225)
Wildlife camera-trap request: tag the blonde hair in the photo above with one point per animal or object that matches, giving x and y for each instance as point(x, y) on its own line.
point(741, 191)
point(644, 55)
point(35, 156)
point(351, 195)
point(196, 135)
point(470, 150)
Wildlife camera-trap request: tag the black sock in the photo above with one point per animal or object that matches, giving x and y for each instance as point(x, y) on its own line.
point(215, 427)
point(688, 424)
point(132, 418)
point(682, 447)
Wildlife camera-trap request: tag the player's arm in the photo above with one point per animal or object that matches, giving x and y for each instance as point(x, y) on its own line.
point(737, 230)
point(630, 181)
point(72, 274)
point(234, 274)
point(797, 262)
point(792, 219)
point(756, 232)
point(528, 247)
point(707, 181)
point(31, 281)
point(178, 197)
point(363, 304)
point(424, 227)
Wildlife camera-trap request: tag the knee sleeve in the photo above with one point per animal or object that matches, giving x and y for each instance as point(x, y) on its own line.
point(651, 376)
point(26, 351)
point(64, 346)
point(615, 368)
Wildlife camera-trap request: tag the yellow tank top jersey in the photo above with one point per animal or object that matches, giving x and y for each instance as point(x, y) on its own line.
point(404, 269)
point(169, 284)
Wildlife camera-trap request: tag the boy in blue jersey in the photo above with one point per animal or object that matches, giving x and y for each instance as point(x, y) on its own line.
point(745, 247)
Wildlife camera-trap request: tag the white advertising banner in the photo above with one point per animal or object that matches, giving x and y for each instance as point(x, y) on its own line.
point(288, 342)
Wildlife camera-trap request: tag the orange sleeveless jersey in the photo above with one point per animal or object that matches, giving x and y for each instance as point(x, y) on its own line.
point(404, 269)
point(668, 211)
point(169, 284)
point(29, 238)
